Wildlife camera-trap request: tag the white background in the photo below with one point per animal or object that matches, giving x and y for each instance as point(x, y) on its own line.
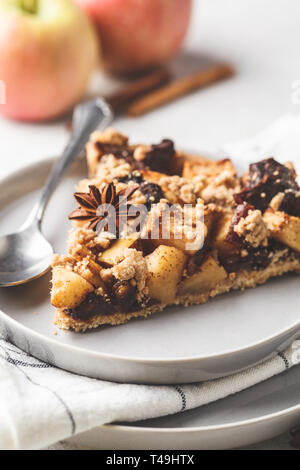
point(260, 37)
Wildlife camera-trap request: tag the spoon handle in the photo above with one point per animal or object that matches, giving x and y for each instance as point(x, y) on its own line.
point(88, 116)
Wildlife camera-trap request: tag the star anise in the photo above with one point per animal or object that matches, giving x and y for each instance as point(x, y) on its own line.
point(96, 206)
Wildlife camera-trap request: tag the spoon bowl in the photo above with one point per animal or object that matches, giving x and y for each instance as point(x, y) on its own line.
point(24, 255)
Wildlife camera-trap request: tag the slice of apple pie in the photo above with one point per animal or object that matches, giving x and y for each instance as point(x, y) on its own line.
point(156, 227)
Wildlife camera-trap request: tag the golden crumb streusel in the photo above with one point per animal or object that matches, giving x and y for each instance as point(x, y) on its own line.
point(253, 229)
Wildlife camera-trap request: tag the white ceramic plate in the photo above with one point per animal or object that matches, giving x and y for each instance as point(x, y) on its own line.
point(255, 415)
point(225, 335)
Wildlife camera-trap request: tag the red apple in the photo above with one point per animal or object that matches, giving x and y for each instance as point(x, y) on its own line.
point(138, 34)
point(48, 49)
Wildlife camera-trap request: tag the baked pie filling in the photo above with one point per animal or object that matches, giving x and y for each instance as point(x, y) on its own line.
point(157, 227)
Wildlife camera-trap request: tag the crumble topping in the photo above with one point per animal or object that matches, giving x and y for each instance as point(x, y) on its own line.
point(221, 195)
point(275, 220)
point(180, 188)
point(131, 266)
point(220, 189)
point(110, 168)
point(253, 229)
point(201, 181)
point(138, 198)
point(83, 241)
point(109, 136)
point(226, 178)
point(140, 153)
point(63, 260)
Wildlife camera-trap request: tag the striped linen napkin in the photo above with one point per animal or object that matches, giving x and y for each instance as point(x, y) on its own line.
point(41, 405)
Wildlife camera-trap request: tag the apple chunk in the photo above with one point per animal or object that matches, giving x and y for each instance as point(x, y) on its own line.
point(112, 254)
point(68, 288)
point(284, 228)
point(209, 275)
point(219, 241)
point(165, 266)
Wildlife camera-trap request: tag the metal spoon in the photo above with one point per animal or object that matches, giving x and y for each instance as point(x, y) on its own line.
point(26, 254)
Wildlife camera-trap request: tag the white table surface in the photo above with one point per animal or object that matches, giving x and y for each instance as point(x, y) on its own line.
point(260, 37)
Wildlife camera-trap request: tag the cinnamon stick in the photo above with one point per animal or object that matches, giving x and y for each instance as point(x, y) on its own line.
point(137, 88)
point(180, 88)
